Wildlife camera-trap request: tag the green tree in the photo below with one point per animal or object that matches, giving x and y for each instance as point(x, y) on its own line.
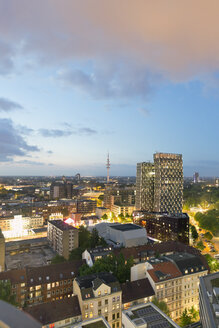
point(94, 238)
point(194, 232)
point(208, 235)
point(185, 319)
point(200, 245)
point(84, 238)
point(57, 259)
point(104, 217)
point(76, 254)
point(6, 294)
point(212, 262)
point(161, 305)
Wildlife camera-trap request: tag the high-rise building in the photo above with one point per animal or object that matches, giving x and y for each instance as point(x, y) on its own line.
point(159, 185)
point(61, 190)
point(168, 183)
point(63, 237)
point(145, 186)
point(196, 177)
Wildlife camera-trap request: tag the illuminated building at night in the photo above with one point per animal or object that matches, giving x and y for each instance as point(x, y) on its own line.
point(2, 251)
point(63, 237)
point(159, 185)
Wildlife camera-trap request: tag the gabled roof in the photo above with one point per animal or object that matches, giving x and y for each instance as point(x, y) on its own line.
point(164, 271)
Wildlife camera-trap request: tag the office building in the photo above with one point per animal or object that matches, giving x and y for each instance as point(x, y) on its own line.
point(146, 316)
point(86, 206)
point(61, 189)
point(2, 251)
point(159, 185)
point(63, 237)
point(196, 177)
point(99, 294)
point(145, 186)
point(168, 183)
point(163, 226)
point(174, 278)
point(209, 300)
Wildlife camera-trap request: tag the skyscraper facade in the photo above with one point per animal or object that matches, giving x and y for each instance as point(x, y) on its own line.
point(159, 185)
point(168, 183)
point(145, 186)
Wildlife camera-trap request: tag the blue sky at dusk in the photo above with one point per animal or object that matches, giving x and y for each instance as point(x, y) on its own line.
point(79, 79)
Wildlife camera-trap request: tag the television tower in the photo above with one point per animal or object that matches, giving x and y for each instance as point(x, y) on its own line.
point(108, 167)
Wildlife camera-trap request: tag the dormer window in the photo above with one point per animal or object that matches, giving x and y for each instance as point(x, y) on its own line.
point(99, 293)
point(186, 271)
point(40, 278)
point(47, 278)
point(105, 291)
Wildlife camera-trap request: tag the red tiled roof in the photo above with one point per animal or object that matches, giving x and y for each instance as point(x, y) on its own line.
point(167, 268)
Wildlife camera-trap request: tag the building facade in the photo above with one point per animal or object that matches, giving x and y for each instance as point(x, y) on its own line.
point(63, 237)
point(145, 186)
point(2, 251)
point(100, 295)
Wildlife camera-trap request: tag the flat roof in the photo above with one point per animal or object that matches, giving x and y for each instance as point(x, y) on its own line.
point(62, 225)
point(125, 227)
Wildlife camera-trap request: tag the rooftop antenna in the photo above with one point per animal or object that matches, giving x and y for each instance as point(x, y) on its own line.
point(108, 167)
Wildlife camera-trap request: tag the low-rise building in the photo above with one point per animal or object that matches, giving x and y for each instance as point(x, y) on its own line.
point(126, 235)
point(209, 300)
point(61, 313)
point(123, 209)
point(174, 278)
point(146, 316)
point(100, 211)
point(99, 322)
point(63, 237)
point(90, 256)
point(42, 284)
point(99, 294)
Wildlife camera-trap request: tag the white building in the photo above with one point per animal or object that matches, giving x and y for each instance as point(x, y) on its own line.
point(126, 235)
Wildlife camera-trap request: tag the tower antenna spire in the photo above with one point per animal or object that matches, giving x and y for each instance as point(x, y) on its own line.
point(108, 167)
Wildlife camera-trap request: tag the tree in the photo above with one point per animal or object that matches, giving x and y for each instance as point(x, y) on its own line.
point(161, 305)
point(75, 254)
point(208, 235)
point(200, 245)
point(104, 217)
point(213, 263)
point(84, 238)
point(57, 259)
point(185, 318)
point(94, 238)
point(5, 293)
point(194, 232)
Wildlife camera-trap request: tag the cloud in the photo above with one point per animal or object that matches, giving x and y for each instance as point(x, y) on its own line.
point(11, 142)
point(54, 133)
point(7, 105)
point(171, 37)
point(144, 111)
point(57, 133)
point(118, 81)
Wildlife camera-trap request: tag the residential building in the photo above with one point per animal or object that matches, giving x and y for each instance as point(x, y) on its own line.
point(100, 211)
point(86, 206)
point(174, 278)
point(146, 316)
point(63, 237)
point(99, 322)
point(99, 294)
point(123, 209)
point(145, 186)
point(196, 177)
point(164, 226)
point(159, 185)
point(209, 300)
point(61, 313)
point(2, 251)
point(136, 292)
point(126, 235)
point(20, 223)
point(42, 284)
point(90, 256)
point(118, 196)
point(168, 183)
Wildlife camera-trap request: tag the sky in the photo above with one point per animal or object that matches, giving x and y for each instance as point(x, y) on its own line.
point(79, 79)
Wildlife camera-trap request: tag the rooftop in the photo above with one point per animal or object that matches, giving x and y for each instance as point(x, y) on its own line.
point(125, 227)
point(148, 315)
point(134, 290)
point(187, 263)
point(62, 225)
point(47, 313)
point(163, 271)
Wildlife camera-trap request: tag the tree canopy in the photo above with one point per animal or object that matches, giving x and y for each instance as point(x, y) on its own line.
point(161, 305)
point(209, 221)
point(5, 293)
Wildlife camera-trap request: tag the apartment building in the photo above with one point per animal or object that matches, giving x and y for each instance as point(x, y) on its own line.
point(18, 222)
point(174, 278)
point(42, 284)
point(62, 236)
point(99, 295)
point(61, 313)
point(123, 209)
point(209, 300)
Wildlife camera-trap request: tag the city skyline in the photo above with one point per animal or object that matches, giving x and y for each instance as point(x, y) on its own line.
point(78, 81)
